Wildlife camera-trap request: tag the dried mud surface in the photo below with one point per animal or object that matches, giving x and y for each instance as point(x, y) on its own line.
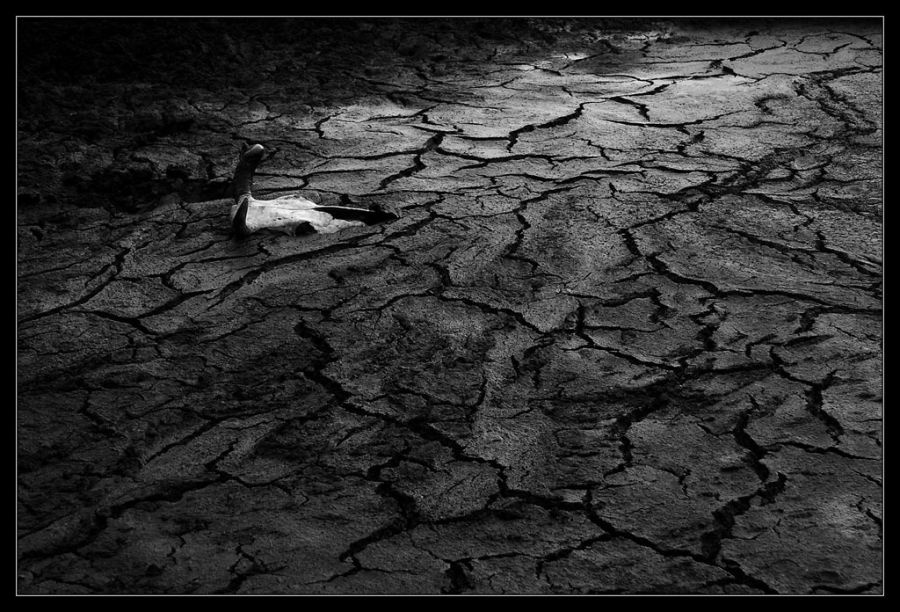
point(625, 336)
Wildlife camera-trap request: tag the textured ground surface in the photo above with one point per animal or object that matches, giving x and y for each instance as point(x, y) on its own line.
point(625, 336)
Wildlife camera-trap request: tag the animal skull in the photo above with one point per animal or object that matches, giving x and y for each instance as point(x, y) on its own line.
point(293, 214)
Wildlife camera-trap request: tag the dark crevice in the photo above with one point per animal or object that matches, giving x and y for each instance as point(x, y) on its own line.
point(513, 136)
point(430, 145)
point(725, 516)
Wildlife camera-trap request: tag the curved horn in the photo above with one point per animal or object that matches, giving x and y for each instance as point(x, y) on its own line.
point(369, 216)
point(243, 174)
point(243, 184)
point(239, 220)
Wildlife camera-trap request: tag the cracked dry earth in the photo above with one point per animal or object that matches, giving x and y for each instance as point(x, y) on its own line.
point(625, 336)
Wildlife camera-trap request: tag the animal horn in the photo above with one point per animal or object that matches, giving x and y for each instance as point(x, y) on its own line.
point(239, 221)
point(243, 174)
point(366, 215)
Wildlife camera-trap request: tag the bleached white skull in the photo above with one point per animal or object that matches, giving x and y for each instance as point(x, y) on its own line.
point(293, 214)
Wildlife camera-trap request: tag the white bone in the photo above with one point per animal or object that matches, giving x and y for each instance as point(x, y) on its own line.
point(291, 214)
point(286, 213)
